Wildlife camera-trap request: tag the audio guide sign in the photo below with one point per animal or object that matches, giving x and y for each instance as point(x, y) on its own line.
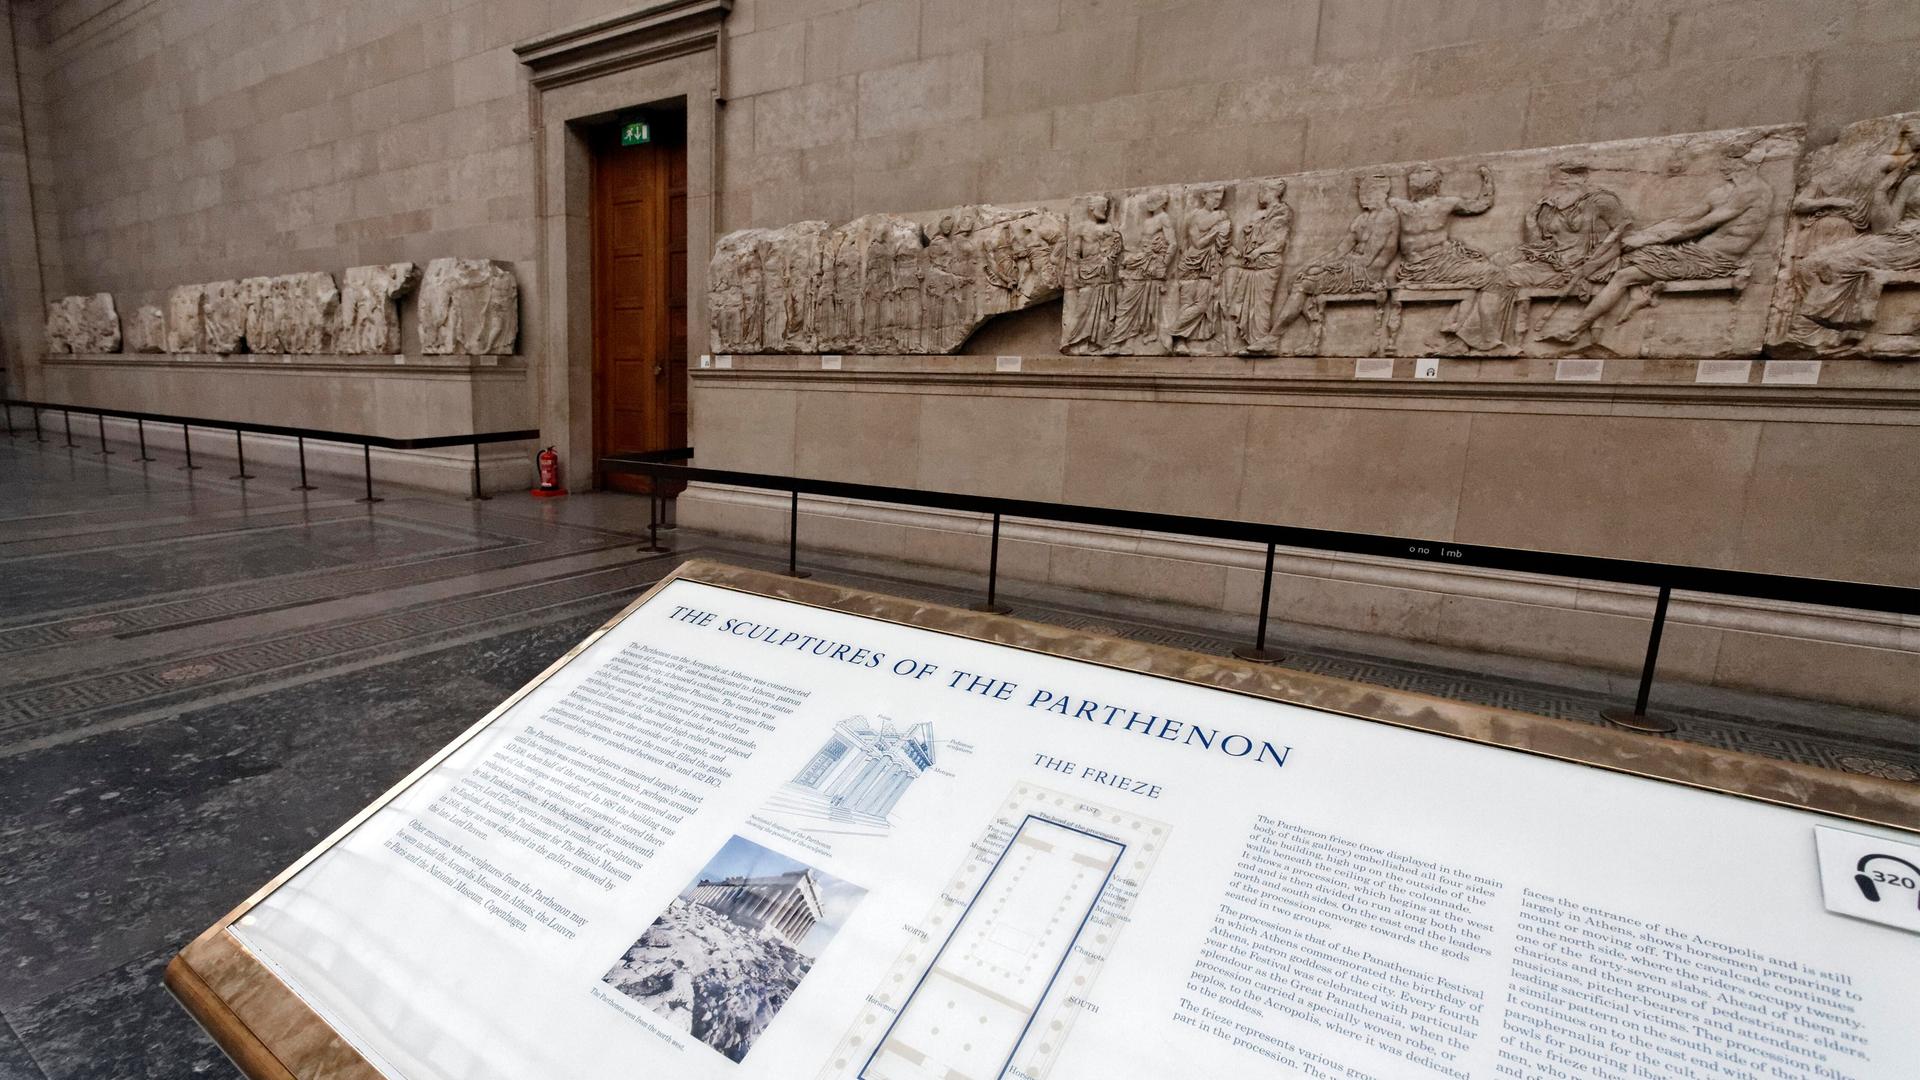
point(740, 836)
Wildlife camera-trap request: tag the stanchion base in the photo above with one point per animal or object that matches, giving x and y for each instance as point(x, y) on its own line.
point(146, 459)
point(1650, 723)
point(796, 574)
point(370, 499)
point(303, 487)
point(992, 609)
point(479, 498)
point(188, 468)
point(1257, 656)
point(654, 549)
point(106, 453)
point(544, 493)
point(243, 476)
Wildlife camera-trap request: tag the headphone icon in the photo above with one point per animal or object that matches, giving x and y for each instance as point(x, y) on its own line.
point(1867, 888)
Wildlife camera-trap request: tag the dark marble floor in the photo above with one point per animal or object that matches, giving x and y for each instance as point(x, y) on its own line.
point(199, 679)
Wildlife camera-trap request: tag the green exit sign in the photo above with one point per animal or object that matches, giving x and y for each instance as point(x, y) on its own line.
point(635, 133)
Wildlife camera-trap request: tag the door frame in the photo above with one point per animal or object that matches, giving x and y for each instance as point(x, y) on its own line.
point(663, 55)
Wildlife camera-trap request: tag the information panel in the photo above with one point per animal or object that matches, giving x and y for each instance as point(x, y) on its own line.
point(743, 837)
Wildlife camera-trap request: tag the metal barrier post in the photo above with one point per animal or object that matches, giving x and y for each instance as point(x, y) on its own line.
point(140, 425)
point(366, 459)
point(37, 437)
point(68, 417)
point(793, 536)
point(240, 451)
point(300, 446)
point(1638, 719)
point(653, 517)
point(102, 418)
point(186, 439)
point(993, 572)
point(477, 497)
point(9, 406)
point(1259, 654)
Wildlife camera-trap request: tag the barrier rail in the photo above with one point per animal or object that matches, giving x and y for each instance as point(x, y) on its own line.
point(1664, 577)
point(299, 434)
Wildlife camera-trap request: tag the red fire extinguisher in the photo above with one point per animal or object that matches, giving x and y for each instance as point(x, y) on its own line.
point(549, 464)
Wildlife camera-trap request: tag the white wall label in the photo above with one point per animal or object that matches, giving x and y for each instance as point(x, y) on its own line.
point(830, 363)
point(861, 850)
point(706, 360)
point(1575, 369)
point(725, 360)
point(1870, 877)
point(1373, 367)
point(1791, 373)
point(1006, 363)
point(1723, 371)
point(1427, 367)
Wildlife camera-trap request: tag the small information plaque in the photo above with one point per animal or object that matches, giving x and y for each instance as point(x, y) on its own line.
point(1576, 369)
point(1791, 373)
point(1006, 363)
point(724, 360)
point(1373, 367)
point(830, 363)
point(1723, 371)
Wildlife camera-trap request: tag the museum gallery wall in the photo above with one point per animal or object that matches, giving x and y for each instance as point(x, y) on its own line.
point(1711, 244)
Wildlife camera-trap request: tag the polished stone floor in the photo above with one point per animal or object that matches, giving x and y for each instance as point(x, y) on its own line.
point(200, 678)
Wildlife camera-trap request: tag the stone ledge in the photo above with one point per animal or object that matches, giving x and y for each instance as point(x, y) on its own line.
point(372, 365)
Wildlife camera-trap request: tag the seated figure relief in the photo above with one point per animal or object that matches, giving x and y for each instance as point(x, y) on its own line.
point(1860, 233)
point(1356, 267)
point(1709, 240)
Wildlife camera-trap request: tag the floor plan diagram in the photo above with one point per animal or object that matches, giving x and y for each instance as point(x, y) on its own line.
point(988, 991)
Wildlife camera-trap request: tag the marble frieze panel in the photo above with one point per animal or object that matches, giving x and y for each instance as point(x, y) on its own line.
point(883, 283)
point(83, 324)
point(147, 330)
point(1642, 247)
point(468, 306)
point(1850, 286)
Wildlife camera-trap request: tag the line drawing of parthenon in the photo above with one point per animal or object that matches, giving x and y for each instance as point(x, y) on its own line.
point(858, 774)
point(785, 905)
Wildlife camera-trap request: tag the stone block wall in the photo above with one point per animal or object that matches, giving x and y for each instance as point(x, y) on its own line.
point(842, 108)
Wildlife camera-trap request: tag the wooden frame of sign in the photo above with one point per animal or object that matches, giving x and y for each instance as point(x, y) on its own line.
point(272, 1035)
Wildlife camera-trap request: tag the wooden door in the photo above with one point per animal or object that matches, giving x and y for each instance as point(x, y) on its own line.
point(639, 222)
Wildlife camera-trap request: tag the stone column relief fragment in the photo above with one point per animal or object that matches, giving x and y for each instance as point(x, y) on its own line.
point(469, 307)
point(369, 308)
point(83, 324)
point(186, 319)
point(884, 283)
point(224, 317)
point(1855, 236)
point(147, 330)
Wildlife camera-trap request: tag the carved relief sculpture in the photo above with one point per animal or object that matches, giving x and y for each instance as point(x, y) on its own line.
point(1208, 232)
point(1858, 232)
point(186, 319)
point(311, 312)
point(1146, 261)
point(83, 324)
point(224, 317)
point(1254, 266)
point(1355, 268)
point(147, 330)
point(1199, 269)
point(1092, 277)
point(1431, 259)
point(1710, 240)
point(468, 307)
point(263, 320)
point(369, 308)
